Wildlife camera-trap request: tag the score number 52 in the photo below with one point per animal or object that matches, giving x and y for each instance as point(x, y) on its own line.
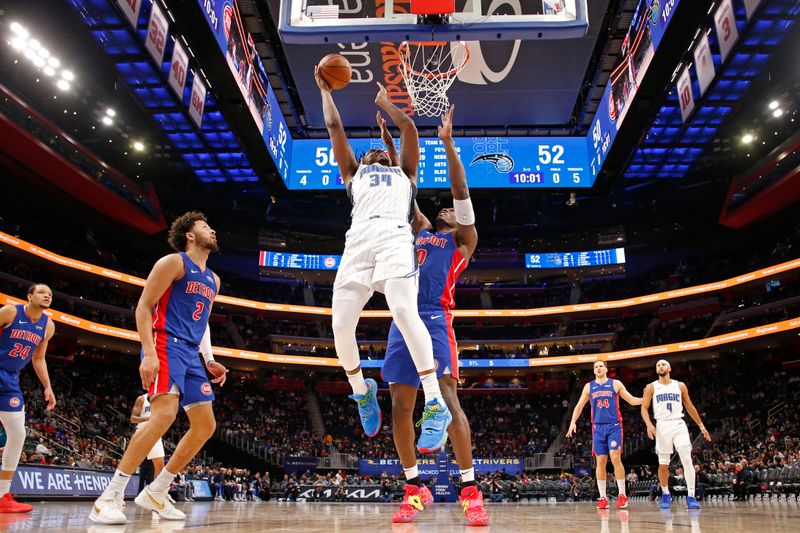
point(555, 155)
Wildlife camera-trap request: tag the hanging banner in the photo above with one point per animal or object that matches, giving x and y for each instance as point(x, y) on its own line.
point(198, 101)
point(131, 9)
point(157, 35)
point(704, 63)
point(750, 7)
point(177, 69)
point(685, 94)
point(727, 32)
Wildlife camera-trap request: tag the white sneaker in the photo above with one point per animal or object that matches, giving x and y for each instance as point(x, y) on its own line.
point(165, 509)
point(108, 511)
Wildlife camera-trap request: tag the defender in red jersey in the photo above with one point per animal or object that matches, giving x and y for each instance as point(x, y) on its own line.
point(172, 320)
point(24, 333)
point(442, 256)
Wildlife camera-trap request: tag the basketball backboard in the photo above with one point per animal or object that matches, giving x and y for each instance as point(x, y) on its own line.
point(353, 21)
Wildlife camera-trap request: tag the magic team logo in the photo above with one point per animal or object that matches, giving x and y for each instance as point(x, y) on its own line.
point(654, 12)
point(205, 388)
point(14, 402)
point(502, 162)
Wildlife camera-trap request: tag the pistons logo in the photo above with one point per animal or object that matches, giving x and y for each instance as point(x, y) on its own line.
point(227, 18)
point(330, 262)
point(205, 388)
point(613, 444)
point(435, 365)
point(14, 402)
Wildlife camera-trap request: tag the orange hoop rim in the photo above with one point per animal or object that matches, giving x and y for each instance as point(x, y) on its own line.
point(449, 74)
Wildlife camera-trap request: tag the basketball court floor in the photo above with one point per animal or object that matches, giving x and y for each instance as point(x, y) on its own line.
point(229, 517)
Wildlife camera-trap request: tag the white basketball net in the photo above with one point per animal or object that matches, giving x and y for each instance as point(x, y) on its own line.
point(429, 69)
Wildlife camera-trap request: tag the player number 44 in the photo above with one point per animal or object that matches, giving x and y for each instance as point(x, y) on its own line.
point(602, 403)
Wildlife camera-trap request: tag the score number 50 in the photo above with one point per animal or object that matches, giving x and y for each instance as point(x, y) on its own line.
point(555, 155)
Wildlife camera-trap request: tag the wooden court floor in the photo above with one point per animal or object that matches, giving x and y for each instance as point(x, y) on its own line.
point(233, 517)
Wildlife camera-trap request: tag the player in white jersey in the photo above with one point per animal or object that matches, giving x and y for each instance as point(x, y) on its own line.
point(379, 255)
point(140, 415)
point(669, 397)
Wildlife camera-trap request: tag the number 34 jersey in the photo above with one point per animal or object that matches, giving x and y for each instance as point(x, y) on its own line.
point(667, 401)
point(378, 191)
point(183, 310)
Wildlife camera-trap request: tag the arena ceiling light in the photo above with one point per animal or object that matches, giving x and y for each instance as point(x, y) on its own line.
point(138, 146)
point(747, 138)
point(111, 113)
point(41, 58)
point(777, 113)
point(107, 120)
point(774, 105)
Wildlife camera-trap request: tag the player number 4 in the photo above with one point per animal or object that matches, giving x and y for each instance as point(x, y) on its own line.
point(421, 255)
point(669, 407)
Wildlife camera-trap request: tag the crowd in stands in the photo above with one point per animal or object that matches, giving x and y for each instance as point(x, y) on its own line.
point(108, 302)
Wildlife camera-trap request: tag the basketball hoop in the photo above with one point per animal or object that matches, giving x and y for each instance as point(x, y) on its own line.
point(429, 69)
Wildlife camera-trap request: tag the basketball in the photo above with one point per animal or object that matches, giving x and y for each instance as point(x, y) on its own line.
point(335, 69)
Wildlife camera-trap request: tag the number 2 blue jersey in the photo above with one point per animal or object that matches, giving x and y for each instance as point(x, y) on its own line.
point(440, 264)
point(605, 403)
point(183, 310)
point(20, 339)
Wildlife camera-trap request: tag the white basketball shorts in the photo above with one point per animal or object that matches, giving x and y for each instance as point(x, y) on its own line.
point(671, 434)
point(376, 250)
point(157, 451)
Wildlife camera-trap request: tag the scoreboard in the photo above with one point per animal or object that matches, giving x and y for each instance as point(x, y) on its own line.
point(490, 162)
point(299, 261)
point(614, 256)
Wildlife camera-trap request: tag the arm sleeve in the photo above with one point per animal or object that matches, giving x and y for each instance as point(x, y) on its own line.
point(205, 346)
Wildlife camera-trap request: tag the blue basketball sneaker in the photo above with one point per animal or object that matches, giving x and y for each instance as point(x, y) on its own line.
point(435, 419)
point(691, 503)
point(666, 500)
point(368, 408)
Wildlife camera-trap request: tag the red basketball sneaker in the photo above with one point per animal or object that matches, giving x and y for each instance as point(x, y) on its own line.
point(472, 502)
point(603, 503)
point(622, 502)
point(9, 505)
point(415, 501)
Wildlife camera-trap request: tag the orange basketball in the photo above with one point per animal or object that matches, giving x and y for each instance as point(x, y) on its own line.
point(335, 69)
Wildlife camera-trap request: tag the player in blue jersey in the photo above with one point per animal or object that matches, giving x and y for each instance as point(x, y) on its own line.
point(603, 394)
point(24, 333)
point(172, 320)
point(443, 253)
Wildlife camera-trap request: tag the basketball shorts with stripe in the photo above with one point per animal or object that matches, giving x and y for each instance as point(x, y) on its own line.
point(180, 371)
point(398, 366)
point(374, 251)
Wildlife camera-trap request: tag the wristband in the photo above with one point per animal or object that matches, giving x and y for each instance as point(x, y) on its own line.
point(465, 216)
